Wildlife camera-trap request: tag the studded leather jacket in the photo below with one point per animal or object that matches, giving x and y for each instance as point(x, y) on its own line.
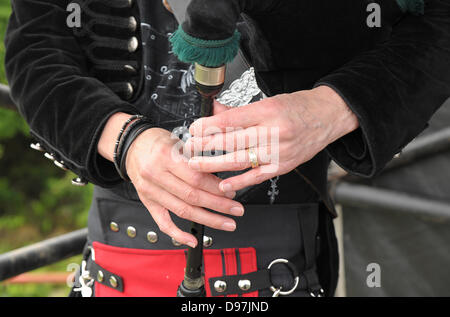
point(68, 81)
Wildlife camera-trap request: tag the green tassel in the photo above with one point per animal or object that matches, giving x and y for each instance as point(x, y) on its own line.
point(209, 53)
point(415, 7)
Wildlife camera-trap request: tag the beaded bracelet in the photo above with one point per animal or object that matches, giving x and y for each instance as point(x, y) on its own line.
point(143, 126)
point(124, 138)
point(119, 138)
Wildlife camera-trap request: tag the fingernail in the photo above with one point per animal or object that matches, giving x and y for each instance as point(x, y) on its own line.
point(229, 226)
point(226, 187)
point(237, 211)
point(194, 164)
point(230, 195)
point(191, 244)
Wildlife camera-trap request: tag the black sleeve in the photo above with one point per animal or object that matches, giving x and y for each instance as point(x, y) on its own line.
point(394, 89)
point(65, 108)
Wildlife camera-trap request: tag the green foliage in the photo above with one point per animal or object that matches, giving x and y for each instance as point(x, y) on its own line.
point(37, 199)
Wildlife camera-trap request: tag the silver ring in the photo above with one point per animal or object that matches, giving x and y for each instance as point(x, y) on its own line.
point(278, 291)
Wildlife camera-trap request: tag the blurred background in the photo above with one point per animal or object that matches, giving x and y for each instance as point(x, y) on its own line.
point(37, 200)
point(393, 230)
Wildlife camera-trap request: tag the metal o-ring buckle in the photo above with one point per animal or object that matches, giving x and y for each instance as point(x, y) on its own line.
point(277, 291)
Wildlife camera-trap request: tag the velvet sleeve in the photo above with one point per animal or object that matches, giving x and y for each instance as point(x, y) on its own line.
point(394, 89)
point(65, 108)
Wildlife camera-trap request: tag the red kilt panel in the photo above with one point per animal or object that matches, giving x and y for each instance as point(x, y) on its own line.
point(158, 273)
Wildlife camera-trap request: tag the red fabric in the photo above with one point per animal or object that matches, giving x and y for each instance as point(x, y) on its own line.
point(230, 263)
point(212, 260)
point(158, 273)
point(248, 265)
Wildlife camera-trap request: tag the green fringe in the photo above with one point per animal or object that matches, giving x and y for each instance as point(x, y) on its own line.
point(209, 53)
point(415, 7)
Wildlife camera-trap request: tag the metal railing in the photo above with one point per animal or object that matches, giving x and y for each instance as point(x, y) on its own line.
point(343, 192)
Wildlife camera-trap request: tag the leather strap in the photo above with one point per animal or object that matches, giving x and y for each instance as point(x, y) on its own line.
point(107, 278)
point(259, 280)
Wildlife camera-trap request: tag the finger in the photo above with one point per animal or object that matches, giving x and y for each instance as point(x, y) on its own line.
point(207, 182)
point(184, 210)
point(252, 177)
point(197, 197)
point(218, 107)
point(162, 218)
point(232, 140)
point(233, 161)
point(241, 117)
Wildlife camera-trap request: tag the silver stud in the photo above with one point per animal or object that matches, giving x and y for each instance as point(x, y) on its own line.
point(79, 182)
point(220, 286)
point(100, 276)
point(132, 24)
point(131, 232)
point(175, 242)
point(207, 241)
point(113, 281)
point(244, 285)
point(130, 69)
point(129, 91)
point(133, 44)
point(49, 156)
point(152, 237)
point(37, 147)
point(60, 164)
point(114, 226)
point(397, 155)
point(130, 3)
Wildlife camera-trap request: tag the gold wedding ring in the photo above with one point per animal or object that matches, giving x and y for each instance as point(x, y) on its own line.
point(253, 158)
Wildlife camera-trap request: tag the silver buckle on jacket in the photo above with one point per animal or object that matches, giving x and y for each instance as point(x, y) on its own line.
point(277, 291)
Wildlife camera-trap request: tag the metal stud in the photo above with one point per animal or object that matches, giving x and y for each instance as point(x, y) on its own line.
point(100, 276)
point(131, 232)
point(130, 69)
point(129, 91)
point(396, 156)
point(220, 286)
point(132, 24)
point(113, 281)
point(114, 226)
point(207, 241)
point(49, 156)
point(175, 242)
point(152, 237)
point(133, 44)
point(244, 285)
point(60, 164)
point(79, 182)
point(37, 147)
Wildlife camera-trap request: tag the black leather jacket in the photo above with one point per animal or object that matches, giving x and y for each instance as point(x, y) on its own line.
point(68, 83)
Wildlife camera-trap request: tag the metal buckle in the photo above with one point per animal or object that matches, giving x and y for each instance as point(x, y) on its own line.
point(277, 290)
point(86, 282)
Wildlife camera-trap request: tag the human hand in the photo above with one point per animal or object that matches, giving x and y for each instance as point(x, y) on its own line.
point(284, 131)
point(164, 182)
